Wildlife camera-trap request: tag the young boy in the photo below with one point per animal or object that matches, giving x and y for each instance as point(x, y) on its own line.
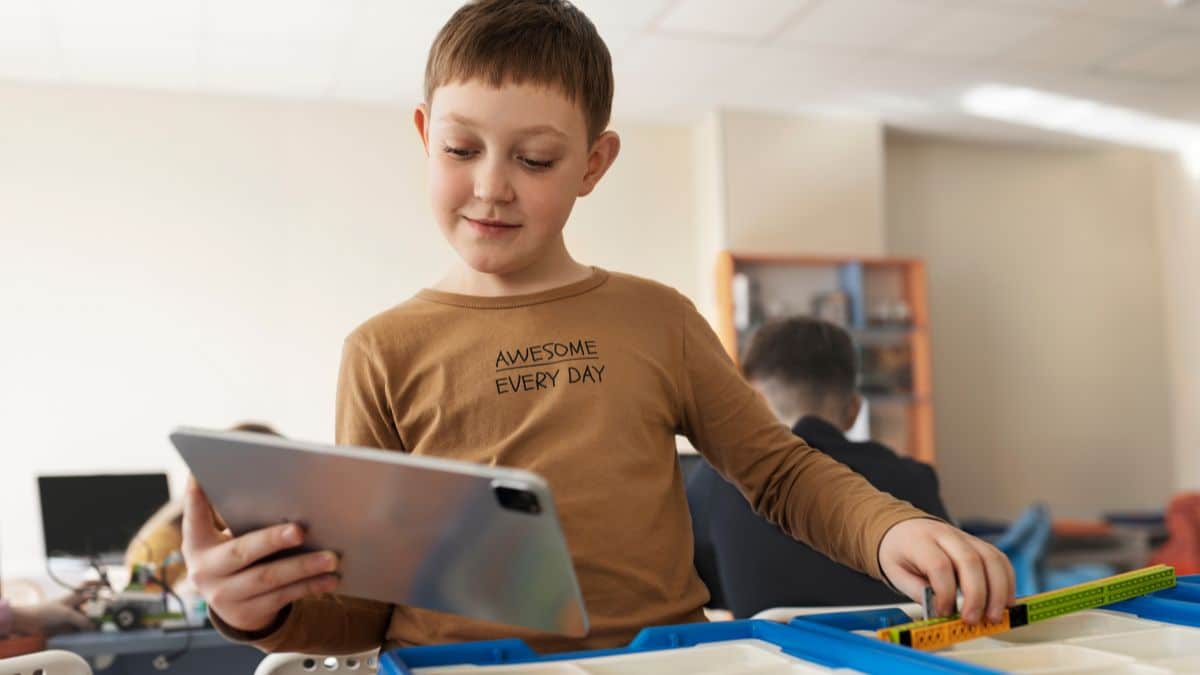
point(523, 357)
point(807, 371)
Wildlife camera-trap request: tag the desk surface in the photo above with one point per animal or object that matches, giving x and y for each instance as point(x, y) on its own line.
point(136, 641)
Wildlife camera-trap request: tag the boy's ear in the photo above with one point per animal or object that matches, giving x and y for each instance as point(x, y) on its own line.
point(603, 153)
point(421, 120)
point(853, 408)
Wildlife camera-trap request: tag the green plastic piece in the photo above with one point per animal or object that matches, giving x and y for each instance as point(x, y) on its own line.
point(1098, 593)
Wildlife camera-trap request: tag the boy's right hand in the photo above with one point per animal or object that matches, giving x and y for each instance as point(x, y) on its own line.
point(247, 594)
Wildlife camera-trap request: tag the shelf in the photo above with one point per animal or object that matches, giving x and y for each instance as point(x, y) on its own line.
point(882, 302)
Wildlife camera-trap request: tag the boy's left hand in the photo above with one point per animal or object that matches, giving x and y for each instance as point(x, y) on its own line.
point(924, 552)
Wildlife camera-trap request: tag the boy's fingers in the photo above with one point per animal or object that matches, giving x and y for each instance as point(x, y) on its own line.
point(972, 577)
point(269, 604)
point(1000, 584)
point(239, 553)
point(198, 528)
point(261, 579)
point(909, 584)
point(938, 569)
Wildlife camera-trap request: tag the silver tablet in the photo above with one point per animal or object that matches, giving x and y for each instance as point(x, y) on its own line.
point(483, 542)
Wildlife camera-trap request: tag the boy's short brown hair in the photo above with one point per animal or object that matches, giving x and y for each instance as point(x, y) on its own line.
point(546, 42)
point(816, 357)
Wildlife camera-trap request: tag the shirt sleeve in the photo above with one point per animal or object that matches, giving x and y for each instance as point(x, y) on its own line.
point(333, 624)
point(809, 495)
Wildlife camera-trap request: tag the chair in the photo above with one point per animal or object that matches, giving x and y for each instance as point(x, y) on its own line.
point(1182, 549)
point(53, 662)
point(302, 664)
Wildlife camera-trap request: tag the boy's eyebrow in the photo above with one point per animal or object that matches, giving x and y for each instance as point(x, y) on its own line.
point(524, 131)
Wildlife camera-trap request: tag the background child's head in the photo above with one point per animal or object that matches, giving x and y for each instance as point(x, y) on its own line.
point(805, 366)
point(517, 101)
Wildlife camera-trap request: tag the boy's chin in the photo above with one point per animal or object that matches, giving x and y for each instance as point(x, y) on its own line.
point(493, 264)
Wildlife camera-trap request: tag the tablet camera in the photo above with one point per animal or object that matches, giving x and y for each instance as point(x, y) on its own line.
point(516, 499)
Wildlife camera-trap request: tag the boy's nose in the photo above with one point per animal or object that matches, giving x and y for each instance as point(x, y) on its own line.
point(492, 184)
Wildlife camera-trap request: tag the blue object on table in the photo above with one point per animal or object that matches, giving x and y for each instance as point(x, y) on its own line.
point(1026, 542)
point(863, 619)
point(1025, 545)
point(809, 641)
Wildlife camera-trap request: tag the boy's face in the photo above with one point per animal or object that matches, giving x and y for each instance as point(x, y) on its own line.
point(505, 167)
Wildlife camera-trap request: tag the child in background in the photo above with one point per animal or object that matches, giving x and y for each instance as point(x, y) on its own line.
point(521, 356)
point(62, 615)
point(806, 369)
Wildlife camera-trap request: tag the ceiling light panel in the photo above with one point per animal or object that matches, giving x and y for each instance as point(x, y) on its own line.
point(746, 19)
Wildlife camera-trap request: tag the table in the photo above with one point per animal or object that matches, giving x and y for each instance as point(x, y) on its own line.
point(134, 652)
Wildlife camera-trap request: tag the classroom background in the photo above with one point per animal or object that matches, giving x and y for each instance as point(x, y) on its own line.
point(200, 199)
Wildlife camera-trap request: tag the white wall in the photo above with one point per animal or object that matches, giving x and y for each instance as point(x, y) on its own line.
point(175, 259)
point(1178, 211)
point(1050, 371)
point(803, 184)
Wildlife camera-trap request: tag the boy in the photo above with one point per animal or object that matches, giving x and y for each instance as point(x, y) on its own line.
point(523, 357)
point(806, 369)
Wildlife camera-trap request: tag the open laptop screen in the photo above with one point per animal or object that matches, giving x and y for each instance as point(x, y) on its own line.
point(96, 516)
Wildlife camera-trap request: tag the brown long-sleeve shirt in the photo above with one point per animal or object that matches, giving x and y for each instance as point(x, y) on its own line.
point(587, 385)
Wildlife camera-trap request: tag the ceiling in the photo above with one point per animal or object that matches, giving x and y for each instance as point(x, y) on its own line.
point(904, 60)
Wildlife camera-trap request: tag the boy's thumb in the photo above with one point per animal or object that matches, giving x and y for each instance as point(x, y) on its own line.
point(198, 525)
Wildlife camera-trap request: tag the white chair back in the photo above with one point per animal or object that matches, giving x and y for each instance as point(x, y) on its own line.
point(52, 662)
point(304, 664)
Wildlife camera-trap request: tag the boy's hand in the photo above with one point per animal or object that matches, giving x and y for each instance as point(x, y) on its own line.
point(246, 594)
point(923, 552)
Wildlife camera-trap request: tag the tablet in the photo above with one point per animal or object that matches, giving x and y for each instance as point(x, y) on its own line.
point(479, 541)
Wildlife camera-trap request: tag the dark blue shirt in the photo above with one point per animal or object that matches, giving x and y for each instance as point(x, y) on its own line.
point(750, 565)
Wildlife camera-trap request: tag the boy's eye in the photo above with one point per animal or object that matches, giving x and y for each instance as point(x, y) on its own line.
point(535, 164)
point(461, 153)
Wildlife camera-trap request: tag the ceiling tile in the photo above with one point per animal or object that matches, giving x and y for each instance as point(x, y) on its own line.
point(24, 25)
point(976, 32)
point(169, 64)
point(1150, 11)
point(383, 58)
point(299, 20)
point(1167, 57)
point(1040, 5)
point(1077, 42)
point(269, 67)
point(748, 19)
point(117, 20)
point(866, 24)
point(636, 14)
point(30, 63)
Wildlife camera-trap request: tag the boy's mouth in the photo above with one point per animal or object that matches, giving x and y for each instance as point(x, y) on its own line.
point(488, 226)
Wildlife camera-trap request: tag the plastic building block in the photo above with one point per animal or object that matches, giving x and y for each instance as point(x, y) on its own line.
point(935, 634)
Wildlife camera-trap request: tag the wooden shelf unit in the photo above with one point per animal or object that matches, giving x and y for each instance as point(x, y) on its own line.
point(786, 285)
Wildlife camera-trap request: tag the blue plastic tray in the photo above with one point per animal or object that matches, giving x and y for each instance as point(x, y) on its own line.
point(822, 639)
point(818, 644)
